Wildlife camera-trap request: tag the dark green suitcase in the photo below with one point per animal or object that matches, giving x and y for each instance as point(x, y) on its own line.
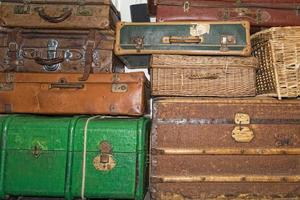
point(187, 38)
point(43, 156)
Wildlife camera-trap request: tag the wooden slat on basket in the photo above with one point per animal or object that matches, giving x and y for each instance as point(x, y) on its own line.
point(278, 53)
point(177, 75)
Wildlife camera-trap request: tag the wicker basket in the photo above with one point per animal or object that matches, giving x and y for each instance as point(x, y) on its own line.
point(278, 53)
point(219, 76)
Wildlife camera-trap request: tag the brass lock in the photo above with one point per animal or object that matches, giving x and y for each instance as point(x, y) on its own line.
point(104, 161)
point(139, 43)
point(226, 40)
point(242, 133)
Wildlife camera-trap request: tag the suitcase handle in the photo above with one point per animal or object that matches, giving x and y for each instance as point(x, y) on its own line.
point(48, 62)
point(67, 13)
point(63, 84)
point(208, 76)
point(66, 86)
point(182, 39)
point(242, 13)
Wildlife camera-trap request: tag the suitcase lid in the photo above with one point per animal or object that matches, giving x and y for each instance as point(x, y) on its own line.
point(120, 134)
point(69, 78)
point(260, 109)
point(72, 2)
point(35, 133)
point(275, 4)
point(181, 61)
point(42, 133)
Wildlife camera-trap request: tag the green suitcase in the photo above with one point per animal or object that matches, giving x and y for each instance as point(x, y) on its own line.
point(74, 157)
point(184, 38)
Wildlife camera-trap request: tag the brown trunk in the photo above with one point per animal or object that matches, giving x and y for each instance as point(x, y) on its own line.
point(237, 148)
point(258, 13)
point(55, 14)
point(37, 50)
point(110, 94)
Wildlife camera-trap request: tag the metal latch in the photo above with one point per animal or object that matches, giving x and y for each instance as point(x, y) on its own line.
point(186, 6)
point(119, 88)
point(22, 9)
point(225, 41)
point(83, 10)
point(104, 161)
point(242, 133)
point(36, 150)
point(8, 85)
point(51, 54)
point(139, 43)
point(241, 118)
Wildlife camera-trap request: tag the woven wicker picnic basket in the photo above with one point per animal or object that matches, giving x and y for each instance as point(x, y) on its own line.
point(218, 76)
point(278, 53)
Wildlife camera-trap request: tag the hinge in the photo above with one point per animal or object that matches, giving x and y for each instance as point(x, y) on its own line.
point(9, 77)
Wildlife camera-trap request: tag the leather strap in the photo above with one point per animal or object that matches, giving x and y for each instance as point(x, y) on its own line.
point(93, 38)
point(13, 45)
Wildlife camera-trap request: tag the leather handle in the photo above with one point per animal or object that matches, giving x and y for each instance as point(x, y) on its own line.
point(48, 62)
point(67, 86)
point(182, 39)
point(207, 76)
point(240, 13)
point(56, 19)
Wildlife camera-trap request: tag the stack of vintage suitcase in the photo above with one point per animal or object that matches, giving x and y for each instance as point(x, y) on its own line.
point(212, 137)
point(56, 58)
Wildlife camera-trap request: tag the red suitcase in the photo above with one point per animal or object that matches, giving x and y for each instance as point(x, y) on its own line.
point(266, 13)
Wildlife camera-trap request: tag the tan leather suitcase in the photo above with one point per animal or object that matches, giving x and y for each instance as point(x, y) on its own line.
point(59, 14)
point(40, 93)
point(212, 148)
point(36, 50)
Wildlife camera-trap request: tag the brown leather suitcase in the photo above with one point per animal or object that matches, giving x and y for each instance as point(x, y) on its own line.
point(266, 13)
point(35, 50)
point(41, 93)
point(206, 148)
point(59, 14)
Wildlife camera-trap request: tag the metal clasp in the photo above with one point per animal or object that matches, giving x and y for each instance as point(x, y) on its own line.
point(139, 43)
point(51, 54)
point(186, 6)
point(22, 9)
point(104, 161)
point(242, 133)
point(227, 40)
point(241, 118)
point(36, 150)
point(119, 88)
point(8, 85)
